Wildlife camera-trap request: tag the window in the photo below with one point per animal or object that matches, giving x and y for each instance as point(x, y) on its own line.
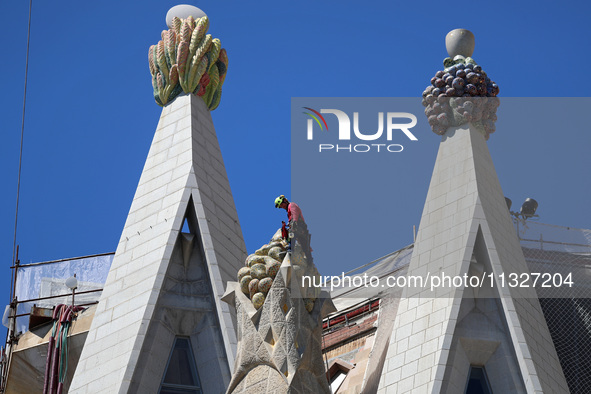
point(180, 376)
point(336, 373)
point(337, 380)
point(478, 382)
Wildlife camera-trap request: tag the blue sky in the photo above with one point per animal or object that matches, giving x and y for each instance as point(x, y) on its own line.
point(91, 116)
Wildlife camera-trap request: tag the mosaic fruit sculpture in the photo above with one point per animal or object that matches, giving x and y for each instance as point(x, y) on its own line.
point(188, 60)
point(261, 268)
point(461, 93)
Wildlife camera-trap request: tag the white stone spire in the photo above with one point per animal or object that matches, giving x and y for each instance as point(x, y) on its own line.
point(164, 283)
point(466, 229)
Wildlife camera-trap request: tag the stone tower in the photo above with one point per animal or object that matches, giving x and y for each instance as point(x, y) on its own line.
point(444, 337)
point(181, 242)
point(279, 323)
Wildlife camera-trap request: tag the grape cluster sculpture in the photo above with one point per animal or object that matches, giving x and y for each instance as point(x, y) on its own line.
point(461, 93)
point(188, 60)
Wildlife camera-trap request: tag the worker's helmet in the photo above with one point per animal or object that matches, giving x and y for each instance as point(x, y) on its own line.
point(279, 200)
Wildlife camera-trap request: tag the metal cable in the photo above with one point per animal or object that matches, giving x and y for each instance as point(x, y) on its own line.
point(18, 187)
point(20, 160)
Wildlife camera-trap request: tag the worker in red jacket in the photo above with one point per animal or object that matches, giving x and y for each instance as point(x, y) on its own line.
point(297, 225)
point(293, 210)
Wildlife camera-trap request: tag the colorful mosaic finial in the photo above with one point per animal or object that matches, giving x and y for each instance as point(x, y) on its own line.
point(188, 60)
point(462, 92)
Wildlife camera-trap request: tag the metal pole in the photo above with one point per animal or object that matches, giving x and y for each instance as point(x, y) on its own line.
point(16, 267)
point(57, 296)
point(73, 292)
point(14, 304)
point(73, 259)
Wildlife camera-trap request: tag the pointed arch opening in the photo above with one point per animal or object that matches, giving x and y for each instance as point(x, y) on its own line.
point(180, 375)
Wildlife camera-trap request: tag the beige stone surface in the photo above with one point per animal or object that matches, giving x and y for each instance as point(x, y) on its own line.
point(353, 383)
point(262, 379)
point(281, 341)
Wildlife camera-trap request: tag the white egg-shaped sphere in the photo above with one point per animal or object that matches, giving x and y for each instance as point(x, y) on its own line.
point(183, 11)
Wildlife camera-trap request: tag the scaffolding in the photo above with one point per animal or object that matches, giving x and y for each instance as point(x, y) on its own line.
point(41, 286)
